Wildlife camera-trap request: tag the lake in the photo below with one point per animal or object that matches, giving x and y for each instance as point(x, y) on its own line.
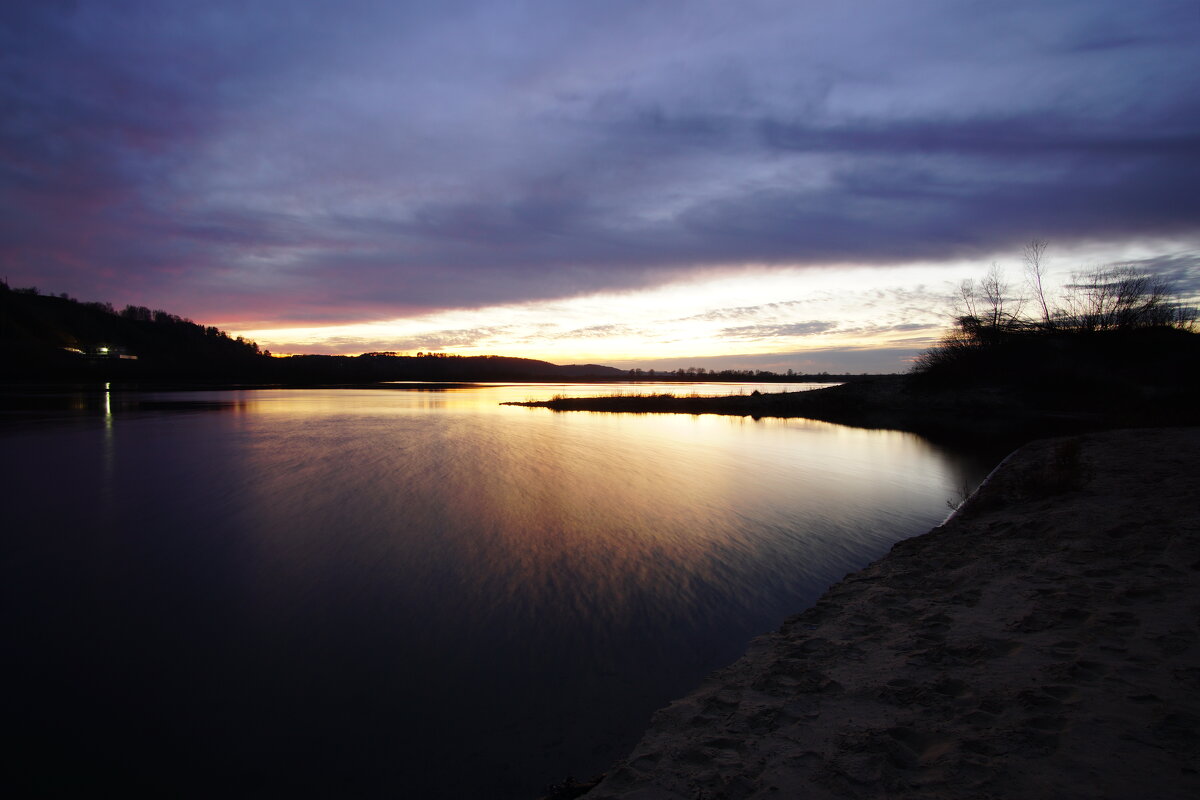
point(408, 590)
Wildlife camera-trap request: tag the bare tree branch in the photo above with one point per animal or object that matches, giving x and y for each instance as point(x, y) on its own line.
point(1035, 272)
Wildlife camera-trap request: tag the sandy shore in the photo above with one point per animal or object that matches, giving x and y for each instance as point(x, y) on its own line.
point(1045, 642)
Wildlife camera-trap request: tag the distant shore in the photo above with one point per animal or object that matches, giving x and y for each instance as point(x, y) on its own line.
point(1044, 642)
point(899, 402)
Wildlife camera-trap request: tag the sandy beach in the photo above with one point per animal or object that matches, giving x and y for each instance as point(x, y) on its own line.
point(1044, 642)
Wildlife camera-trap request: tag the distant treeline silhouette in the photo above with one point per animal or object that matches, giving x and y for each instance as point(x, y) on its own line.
point(58, 338)
point(702, 374)
point(374, 367)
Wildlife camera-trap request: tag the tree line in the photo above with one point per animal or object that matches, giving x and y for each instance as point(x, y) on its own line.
point(994, 313)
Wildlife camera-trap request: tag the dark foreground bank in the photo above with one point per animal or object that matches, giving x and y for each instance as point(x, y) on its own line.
point(1042, 643)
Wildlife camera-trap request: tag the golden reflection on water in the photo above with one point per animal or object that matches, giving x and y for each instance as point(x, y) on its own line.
point(524, 510)
point(410, 397)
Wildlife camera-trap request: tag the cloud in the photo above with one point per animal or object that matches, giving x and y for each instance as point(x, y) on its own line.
point(444, 339)
point(602, 331)
point(774, 331)
point(742, 312)
point(366, 160)
point(871, 331)
point(1182, 271)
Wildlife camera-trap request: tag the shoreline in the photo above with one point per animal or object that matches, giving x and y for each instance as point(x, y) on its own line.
point(1043, 641)
point(1005, 415)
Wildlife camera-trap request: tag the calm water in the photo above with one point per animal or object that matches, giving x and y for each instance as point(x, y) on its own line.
point(407, 592)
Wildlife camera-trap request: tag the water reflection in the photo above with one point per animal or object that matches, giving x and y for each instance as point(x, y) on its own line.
point(24, 406)
point(357, 592)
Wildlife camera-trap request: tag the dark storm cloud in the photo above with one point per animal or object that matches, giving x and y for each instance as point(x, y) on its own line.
point(365, 159)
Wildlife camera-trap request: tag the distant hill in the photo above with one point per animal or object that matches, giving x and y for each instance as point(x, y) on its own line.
point(48, 337)
point(591, 371)
point(53, 337)
point(371, 367)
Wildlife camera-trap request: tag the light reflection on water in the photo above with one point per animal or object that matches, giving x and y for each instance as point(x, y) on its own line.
point(403, 591)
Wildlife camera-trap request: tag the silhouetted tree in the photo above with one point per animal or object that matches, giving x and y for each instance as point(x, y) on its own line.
point(988, 317)
point(1035, 274)
point(1122, 298)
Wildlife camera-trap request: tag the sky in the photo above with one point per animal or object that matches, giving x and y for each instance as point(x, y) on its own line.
point(665, 184)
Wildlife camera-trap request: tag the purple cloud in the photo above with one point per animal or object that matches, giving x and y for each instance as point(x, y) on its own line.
point(324, 161)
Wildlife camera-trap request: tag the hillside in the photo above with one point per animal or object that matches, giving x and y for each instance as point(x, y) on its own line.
point(47, 337)
point(56, 338)
point(373, 367)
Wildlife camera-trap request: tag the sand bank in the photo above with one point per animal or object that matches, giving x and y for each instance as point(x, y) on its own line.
point(1045, 642)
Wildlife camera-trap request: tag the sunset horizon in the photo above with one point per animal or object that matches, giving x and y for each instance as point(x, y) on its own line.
point(790, 185)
